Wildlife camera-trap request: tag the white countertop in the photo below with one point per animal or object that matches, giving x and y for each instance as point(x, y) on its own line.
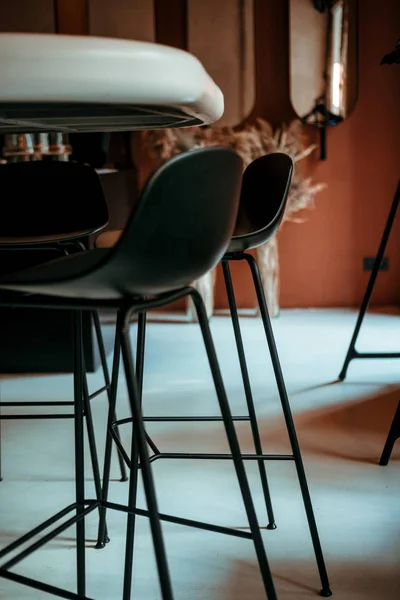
point(82, 83)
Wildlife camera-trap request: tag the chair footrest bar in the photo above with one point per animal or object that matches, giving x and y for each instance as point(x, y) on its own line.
point(216, 456)
point(25, 538)
point(168, 419)
point(181, 521)
point(36, 404)
point(192, 419)
point(90, 506)
point(99, 391)
point(44, 587)
point(52, 534)
point(16, 417)
point(375, 355)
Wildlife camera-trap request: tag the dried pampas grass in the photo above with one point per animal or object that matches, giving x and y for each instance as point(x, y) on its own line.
point(250, 142)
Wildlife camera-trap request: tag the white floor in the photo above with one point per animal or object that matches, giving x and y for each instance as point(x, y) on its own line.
point(341, 426)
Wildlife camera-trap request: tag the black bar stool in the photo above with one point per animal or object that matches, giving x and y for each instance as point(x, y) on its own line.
point(169, 241)
point(53, 207)
point(265, 187)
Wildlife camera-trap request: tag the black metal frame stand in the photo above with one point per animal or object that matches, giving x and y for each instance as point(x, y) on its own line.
point(83, 506)
point(352, 353)
point(259, 456)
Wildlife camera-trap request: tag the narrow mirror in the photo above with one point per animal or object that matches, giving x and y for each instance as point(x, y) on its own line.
point(323, 61)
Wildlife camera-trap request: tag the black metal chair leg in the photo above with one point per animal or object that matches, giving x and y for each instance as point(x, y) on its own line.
point(79, 452)
point(234, 446)
point(92, 442)
point(140, 350)
point(106, 374)
point(148, 483)
point(248, 393)
point(393, 435)
point(326, 591)
point(131, 521)
point(109, 439)
point(351, 352)
point(1, 477)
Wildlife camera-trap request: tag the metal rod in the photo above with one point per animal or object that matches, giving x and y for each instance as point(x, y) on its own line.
point(106, 374)
point(148, 483)
point(356, 354)
point(131, 520)
point(79, 453)
point(32, 417)
point(91, 437)
point(234, 445)
point(370, 288)
point(37, 530)
point(37, 404)
point(1, 460)
point(140, 350)
point(167, 419)
point(101, 538)
point(49, 536)
point(248, 393)
point(212, 456)
point(98, 392)
point(181, 521)
point(44, 587)
point(393, 435)
point(326, 591)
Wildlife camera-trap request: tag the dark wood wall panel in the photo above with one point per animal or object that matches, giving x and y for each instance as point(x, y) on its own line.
point(72, 16)
point(271, 24)
point(36, 16)
point(127, 19)
point(171, 22)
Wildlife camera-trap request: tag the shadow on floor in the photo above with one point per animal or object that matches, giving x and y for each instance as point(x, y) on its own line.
point(294, 581)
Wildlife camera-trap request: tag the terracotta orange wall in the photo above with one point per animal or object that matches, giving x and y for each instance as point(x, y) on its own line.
point(321, 259)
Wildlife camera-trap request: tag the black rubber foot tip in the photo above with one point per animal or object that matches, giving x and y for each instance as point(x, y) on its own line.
point(383, 463)
point(271, 526)
point(326, 592)
point(100, 545)
point(124, 478)
point(342, 376)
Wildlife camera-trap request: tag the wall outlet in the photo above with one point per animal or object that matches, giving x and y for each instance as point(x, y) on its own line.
point(369, 261)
